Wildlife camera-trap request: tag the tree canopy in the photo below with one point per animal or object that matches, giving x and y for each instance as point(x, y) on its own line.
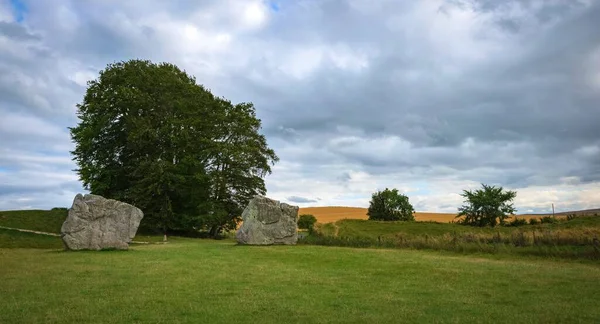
point(389, 205)
point(151, 136)
point(487, 206)
point(307, 221)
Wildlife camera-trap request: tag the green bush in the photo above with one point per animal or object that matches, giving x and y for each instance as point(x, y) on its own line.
point(548, 220)
point(533, 221)
point(517, 222)
point(486, 206)
point(389, 205)
point(307, 221)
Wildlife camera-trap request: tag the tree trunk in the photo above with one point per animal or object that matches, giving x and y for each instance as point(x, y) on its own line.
point(215, 230)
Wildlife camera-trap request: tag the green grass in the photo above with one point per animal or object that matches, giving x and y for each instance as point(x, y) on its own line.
point(577, 238)
point(192, 281)
point(49, 221)
point(374, 229)
point(16, 239)
point(36, 220)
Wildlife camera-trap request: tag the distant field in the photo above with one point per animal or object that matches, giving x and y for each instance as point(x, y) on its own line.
point(334, 214)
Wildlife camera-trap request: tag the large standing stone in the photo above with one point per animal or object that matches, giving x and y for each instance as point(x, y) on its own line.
point(267, 221)
point(96, 223)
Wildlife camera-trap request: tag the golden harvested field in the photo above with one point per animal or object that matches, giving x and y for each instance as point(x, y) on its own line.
point(333, 214)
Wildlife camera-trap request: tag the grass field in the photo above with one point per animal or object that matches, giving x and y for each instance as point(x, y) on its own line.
point(374, 229)
point(15, 239)
point(575, 238)
point(334, 214)
point(191, 281)
point(37, 220)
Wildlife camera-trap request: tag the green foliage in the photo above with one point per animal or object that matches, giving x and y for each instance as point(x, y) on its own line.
point(151, 136)
point(533, 221)
point(548, 220)
point(389, 205)
point(517, 222)
point(486, 206)
point(307, 221)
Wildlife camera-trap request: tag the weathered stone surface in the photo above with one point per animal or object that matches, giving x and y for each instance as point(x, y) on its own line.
point(267, 221)
point(96, 223)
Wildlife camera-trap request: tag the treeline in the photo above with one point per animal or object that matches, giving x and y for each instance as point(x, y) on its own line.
point(488, 206)
point(151, 136)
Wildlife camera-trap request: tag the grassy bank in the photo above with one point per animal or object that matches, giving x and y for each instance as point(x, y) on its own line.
point(191, 281)
point(575, 238)
point(35, 220)
point(15, 239)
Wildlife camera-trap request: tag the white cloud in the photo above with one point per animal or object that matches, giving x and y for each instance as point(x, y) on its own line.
point(412, 100)
point(16, 125)
point(82, 77)
point(5, 11)
point(565, 197)
point(588, 150)
point(592, 68)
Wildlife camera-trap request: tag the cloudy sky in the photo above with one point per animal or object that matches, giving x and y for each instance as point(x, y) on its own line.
point(430, 97)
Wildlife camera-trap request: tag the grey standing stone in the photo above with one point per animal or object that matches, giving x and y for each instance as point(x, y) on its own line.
point(96, 223)
point(267, 221)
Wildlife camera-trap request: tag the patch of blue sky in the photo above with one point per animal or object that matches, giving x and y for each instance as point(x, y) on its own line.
point(274, 6)
point(19, 9)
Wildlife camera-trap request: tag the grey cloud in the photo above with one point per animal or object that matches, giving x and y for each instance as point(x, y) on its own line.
point(14, 30)
point(526, 104)
point(297, 199)
point(534, 96)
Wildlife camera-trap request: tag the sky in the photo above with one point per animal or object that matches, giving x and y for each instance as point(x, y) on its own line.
point(430, 97)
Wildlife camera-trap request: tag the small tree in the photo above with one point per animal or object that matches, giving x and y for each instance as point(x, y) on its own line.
point(307, 221)
point(487, 206)
point(389, 205)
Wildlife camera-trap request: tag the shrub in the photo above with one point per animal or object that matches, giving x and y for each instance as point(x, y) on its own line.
point(533, 221)
point(571, 217)
point(307, 221)
point(548, 220)
point(389, 205)
point(517, 222)
point(484, 207)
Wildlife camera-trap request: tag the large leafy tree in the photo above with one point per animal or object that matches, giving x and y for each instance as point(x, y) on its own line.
point(487, 206)
point(240, 158)
point(390, 205)
point(151, 136)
